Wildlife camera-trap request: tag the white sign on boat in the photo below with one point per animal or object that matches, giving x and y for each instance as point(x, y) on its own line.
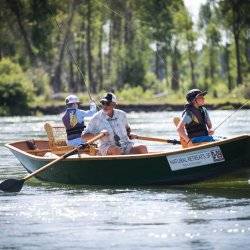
point(195, 158)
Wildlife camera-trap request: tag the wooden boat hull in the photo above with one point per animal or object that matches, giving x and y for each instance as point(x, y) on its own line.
point(177, 167)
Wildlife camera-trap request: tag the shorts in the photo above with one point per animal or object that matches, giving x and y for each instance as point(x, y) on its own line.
point(75, 142)
point(126, 148)
point(205, 138)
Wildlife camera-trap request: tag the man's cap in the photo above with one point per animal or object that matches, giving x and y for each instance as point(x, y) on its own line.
point(193, 93)
point(109, 97)
point(72, 99)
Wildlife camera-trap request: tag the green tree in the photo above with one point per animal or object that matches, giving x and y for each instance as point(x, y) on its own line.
point(156, 15)
point(208, 23)
point(184, 32)
point(236, 18)
point(16, 90)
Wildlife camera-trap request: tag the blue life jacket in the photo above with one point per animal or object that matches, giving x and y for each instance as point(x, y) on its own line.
point(73, 127)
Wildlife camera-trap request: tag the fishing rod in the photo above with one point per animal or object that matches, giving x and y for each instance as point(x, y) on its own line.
point(70, 53)
point(73, 58)
point(230, 115)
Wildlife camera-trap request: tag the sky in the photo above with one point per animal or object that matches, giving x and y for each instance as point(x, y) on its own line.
point(193, 7)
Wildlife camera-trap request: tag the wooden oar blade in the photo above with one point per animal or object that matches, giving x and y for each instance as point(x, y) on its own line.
point(11, 185)
point(14, 185)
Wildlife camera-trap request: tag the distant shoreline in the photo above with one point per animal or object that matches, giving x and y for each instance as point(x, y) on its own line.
point(52, 110)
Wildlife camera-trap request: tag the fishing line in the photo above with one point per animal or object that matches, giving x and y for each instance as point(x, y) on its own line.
point(232, 114)
point(70, 53)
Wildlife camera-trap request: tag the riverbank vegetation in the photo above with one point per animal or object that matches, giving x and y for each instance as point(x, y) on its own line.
point(146, 51)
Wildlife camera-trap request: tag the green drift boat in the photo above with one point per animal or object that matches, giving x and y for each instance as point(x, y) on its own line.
point(181, 166)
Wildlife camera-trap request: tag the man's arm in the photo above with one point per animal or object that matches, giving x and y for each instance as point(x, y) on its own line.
point(127, 126)
point(89, 136)
point(92, 130)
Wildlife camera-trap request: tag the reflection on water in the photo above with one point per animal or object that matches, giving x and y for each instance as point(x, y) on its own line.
point(206, 215)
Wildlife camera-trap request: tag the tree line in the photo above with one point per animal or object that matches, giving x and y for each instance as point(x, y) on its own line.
point(116, 44)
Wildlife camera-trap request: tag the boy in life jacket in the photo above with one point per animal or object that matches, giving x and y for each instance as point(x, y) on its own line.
point(195, 125)
point(73, 120)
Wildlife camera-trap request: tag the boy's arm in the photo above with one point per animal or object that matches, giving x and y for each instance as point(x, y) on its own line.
point(182, 132)
point(209, 124)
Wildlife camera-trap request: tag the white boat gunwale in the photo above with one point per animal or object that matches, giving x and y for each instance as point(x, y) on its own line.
point(122, 157)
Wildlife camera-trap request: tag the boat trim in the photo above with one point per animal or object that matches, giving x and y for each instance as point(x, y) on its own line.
point(132, 156)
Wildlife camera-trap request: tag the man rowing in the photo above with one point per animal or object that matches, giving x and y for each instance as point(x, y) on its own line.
point(113, 123)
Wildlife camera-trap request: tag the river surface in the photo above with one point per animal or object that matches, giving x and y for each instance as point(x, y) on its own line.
point(51, 216)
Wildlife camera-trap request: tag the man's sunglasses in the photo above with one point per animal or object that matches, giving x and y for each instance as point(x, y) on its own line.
point(106, 103)
point(200, 96)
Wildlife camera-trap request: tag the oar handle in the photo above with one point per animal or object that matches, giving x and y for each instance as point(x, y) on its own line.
point(99, 136)
point(146, 138)
point(63, 156)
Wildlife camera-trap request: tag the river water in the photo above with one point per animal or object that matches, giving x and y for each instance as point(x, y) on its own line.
point(51, 216)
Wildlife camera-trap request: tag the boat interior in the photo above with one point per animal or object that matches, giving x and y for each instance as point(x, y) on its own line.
point(56, 145)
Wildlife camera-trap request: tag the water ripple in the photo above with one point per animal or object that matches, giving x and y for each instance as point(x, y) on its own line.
point(203, 216)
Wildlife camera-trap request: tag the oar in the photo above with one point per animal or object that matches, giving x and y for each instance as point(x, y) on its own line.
point(145, 138)
point(15, 185)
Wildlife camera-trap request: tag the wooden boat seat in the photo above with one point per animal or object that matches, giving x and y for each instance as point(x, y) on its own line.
point(176, 121)
point(57, 141)
point(35, 147)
